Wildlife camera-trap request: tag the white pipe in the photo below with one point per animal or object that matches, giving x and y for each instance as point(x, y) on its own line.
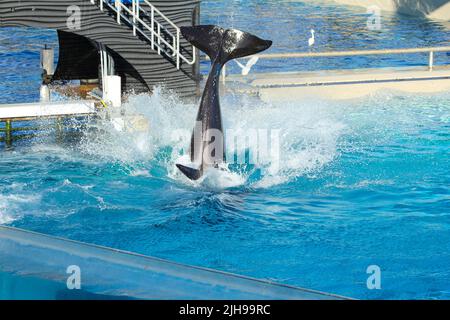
point(351, 53)
point(178, 49)
point(153, 27)
point(48, 61)
point(102, 73)
point(134, 17)
point(118, 7)
point(44, 93)
point(113, 91)
point(159, 39)
point(431, 60)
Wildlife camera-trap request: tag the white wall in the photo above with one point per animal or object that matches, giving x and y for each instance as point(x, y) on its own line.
point(434, 9)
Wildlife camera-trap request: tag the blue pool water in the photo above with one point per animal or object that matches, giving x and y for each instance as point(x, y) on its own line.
point(360, 183)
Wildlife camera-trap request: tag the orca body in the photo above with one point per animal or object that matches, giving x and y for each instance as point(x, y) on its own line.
point(221, 45)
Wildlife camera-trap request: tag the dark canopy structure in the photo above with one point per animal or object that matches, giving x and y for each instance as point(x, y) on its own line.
point(140, 66)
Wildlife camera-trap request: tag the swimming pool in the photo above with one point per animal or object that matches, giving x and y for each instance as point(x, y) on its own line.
point(360, 183)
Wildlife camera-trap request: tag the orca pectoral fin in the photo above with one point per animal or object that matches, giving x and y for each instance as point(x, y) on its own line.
point(191, 173)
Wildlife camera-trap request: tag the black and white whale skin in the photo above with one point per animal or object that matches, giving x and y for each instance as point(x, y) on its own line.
point(221, 45)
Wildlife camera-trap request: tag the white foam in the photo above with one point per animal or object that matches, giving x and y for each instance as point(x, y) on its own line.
point(222, 178)
point(5, 219)
point(10, 206)
point(309, 136)
point(140, 173)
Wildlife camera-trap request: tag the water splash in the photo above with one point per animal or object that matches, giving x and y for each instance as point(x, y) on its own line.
point(308, 139)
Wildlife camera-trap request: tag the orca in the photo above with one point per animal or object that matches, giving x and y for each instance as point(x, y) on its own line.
point(221, 45)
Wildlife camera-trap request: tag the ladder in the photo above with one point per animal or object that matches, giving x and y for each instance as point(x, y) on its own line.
point(145, 20)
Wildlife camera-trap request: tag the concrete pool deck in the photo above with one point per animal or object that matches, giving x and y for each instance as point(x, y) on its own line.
point(115, 273)
point(340, 84)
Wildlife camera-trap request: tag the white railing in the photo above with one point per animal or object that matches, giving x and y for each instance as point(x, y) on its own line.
point(154, 32)
point(293, 55)
point(429, 50)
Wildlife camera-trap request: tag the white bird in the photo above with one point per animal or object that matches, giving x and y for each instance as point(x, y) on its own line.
point(246, 69)
point(312, 40)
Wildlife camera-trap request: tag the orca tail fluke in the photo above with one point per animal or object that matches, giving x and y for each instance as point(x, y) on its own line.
point(221, 45)
point(224, 44)
point(191, 173)
point(207, 38)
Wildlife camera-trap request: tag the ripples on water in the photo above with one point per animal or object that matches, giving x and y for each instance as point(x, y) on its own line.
point(357, 180)
point(360, 183)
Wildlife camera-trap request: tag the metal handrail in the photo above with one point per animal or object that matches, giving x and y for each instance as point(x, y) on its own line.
point(430, 50)
point(157, 34)
point(352, 53)
point(160, 14)
point(139, 9)
point(156, 38)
